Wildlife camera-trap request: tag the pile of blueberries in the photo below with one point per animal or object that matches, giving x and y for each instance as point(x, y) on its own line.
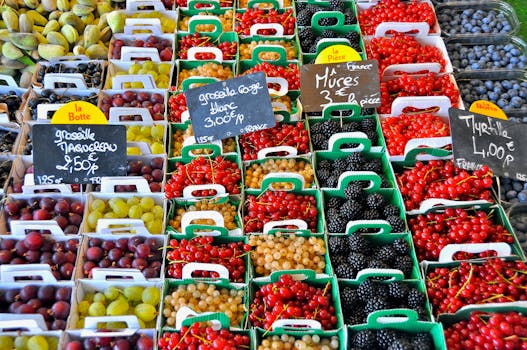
point(507, 56)
point(454, 21)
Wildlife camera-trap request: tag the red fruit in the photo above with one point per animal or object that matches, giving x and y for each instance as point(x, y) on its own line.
point(33, 241)
point(41, 214)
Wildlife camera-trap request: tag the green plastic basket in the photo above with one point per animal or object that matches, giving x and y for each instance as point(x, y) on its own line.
point(191, 81)
point(272, 45)
point(306, 158)
point(215, 39)
point(261, 334)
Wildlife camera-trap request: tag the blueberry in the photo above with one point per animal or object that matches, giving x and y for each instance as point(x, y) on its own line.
point(522, 196)
point(517, 186)
point(511, 194)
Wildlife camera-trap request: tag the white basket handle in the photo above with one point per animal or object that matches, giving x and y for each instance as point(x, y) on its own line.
point(136, 5)
point(428, 204)
point(187, 191)
point(189, 268)
point(296, 323)
point(137, 225)
point(19, 227)
point(129, 53)
point(153, 25)
point(108, 183)
point(31, 188)
point(9, 273)
point(218, 54)
point(43, 109)
point(299, 223)
point(50, 79)
point(284, 86)
point(190, 216)
point(118, 81)
point(421, 102)
point(264, 153)
point(191, 140)
point(447, 253)
point(410, 68)
point(91, 322)
point(259, 26)
point(402, 27)
point(144, 147)
point(100, 274)
point(185, 312)
point(31, 322)
point(116, 112)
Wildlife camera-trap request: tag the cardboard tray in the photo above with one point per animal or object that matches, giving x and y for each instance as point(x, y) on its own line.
point(130, 53)
point(8, 86)
point(338, 335)
point(115, 113)
point(115, 80)
point(33, 325)
point(80, 335)
point(190, 140)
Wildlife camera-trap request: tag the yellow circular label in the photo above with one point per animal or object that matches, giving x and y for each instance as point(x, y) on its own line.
point(337, 53)
point(79, 112)
point(487, 108)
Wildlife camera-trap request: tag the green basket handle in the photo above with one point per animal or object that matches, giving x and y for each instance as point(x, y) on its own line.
point(380, 318)
point(327, 42)
point(187, 83)
point(279, 49)
point(277, 4)
point(196, 20)
point(189, 216)
point(186, 317)
point(337, 140)
point(332, 107)
point(341, 19)
point(187, 155)
point(308, 274)
point(382, 225)
point(351, 176)
point(282, 117)
point(211, 5)
point(193, 230)
point(465, 311)
point(295, 179)
point(396, 275)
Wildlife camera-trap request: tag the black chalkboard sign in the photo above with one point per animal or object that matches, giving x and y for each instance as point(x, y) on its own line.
point(479, 140)
point(354, 82)
point(231, 107)
point(74, 153)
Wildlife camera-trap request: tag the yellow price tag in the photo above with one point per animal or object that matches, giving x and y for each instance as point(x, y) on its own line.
point(487, 108)
point(337, 53)
point(79, 112)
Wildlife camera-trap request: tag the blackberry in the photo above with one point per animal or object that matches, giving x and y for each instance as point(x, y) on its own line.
point(355, 318)
point(368, 124)
point(340, 164)
point(334, 203)
point(374, 165)
point(313, 48)
point(423, 341)
point(345, 271)
point(396, 223)
point(377, 264)
point(405, 264)
point(327, 33)
point(366, 290)
point(367, 111)
point(401, 344)
point(348, 298)
point(319, 141)
point(353, 190)
point(375, 201)
point(398, 290)
point(300, 6)
point(337, 260)
point(303, 18)
point(325, 164)
point(386, 254)
point(401, 246)
point(384, 182)
point(336, 224)
point(327, 22)
point(323, 174)
point(312, 9)
point(355, 157)
point(337, 245)
point(375, 303)
point(381, 290)
point(415, 298)
point(371, 214)
point(315, 128)
point(331, 212)
point(350, 17)
point(385, 337)
point(330, 127)
point(422, 313)
point(364, 339)
point(333, 181)
point(336, 5)
point(391, 210)
point(357, 243)
point(372, 136)
point(353, 37)
point(350, 210)
point(357, 260)
point(351, 126)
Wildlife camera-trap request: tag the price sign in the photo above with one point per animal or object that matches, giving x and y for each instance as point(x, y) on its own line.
point(479, 140)
point(348, 82)
point(230, 108)
point(69, 153)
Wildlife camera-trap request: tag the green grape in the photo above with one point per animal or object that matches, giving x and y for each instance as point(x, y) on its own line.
point(154, 227)
point(6, 342)
point(133, 151)
point(110, 215)
point(151, 295)
point(83, 307)
point(37, 342)
point(89, 297)
point(142, 323)
point(111, 293)
point(98, 205)
point(135, 212)
point(158, 211)
point(97, 309)
point(115, 202)
point(93, 217)
point(21, 342)
point(164, 69)
point(151, 324)
point(145, 312)
point(99, 298)
point(136, 85)
point(157, 148)
point(149, 65)
point(134, 68)
point(147, 203)
point(153, 74)
point(80, 323)
point(117, 307)
point(53, 343)
point(147, 217)
point(121, 210)
point(116, 325)
point(157, 132)
point(133, 201)
point(134, 129)
point(145, 131)
point(133, 293)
